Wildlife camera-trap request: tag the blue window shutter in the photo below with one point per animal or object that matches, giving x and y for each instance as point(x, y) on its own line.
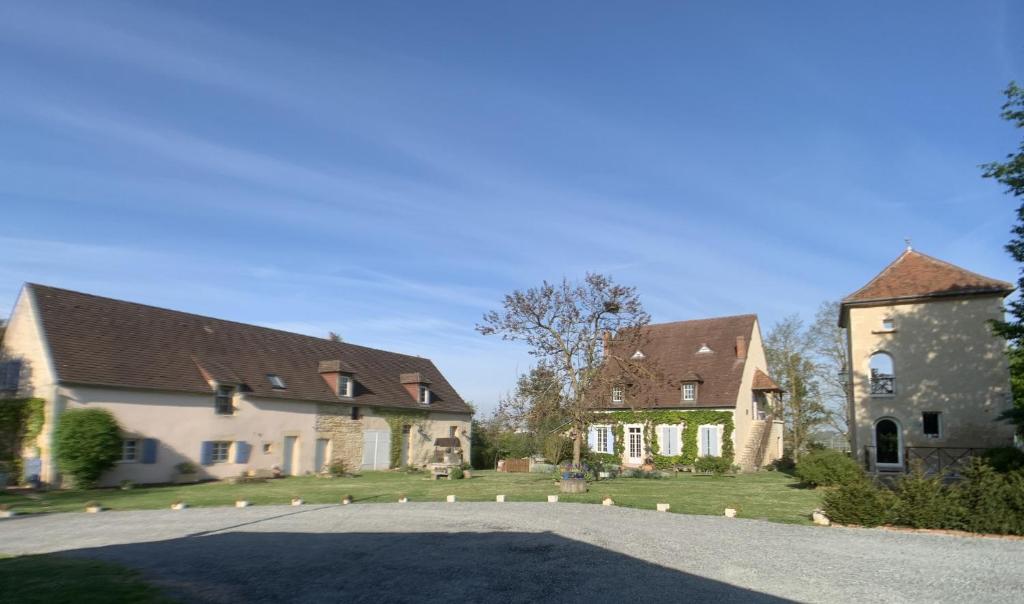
point(592, 438)
point(242, 449)
point(148, 450)
point(206, 453)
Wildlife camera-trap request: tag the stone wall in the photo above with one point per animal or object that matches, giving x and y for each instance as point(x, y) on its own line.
point(346, 434)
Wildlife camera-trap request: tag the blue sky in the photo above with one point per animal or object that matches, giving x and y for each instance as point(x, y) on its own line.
point(388, 171)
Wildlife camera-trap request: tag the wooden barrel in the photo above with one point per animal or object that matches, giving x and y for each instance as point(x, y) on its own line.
point(573, 485)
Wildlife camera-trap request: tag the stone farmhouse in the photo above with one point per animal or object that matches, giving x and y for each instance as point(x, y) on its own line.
point(711, 397)
point(224, 396)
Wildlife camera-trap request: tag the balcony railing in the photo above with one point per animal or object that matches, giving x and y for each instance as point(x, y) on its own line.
point(883, 385)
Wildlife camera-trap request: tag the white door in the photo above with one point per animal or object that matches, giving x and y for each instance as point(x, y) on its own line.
point(635, 442)
point(376, 450)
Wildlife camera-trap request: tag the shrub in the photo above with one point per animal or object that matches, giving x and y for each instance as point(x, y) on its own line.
point(1004, 459)
point(338, 468)
point(186, 467)
point(456, 473)
point(827, 468)
point(992, 502)
point(924, 502)
point(782, 464)
point(88, 443)
point(860, 502)
point(715, 465)
point(639, 473)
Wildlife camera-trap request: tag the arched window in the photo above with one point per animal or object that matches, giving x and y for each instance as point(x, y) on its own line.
point(883, 377)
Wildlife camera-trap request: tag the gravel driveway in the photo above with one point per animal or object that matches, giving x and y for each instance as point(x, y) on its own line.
point(520, 552)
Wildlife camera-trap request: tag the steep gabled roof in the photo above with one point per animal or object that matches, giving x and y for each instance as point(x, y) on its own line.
point(764, 383)
point(916, 275)
point(102, 341)
point(702, 351)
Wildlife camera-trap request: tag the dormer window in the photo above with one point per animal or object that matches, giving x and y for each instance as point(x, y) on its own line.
point(689, 392)
point(345, 386)
point(276, 382)
point(424, 395)
point(704, 349)
point(617, 395)
point(222, 404)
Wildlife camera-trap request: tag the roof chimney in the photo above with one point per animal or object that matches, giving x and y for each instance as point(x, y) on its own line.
point(741, 347)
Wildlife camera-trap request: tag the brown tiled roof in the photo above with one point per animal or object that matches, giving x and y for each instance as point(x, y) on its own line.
point(917, 275)
point(109, 342)
point(763, 382)
point(673, 348)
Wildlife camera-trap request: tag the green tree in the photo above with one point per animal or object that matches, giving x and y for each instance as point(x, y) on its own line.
point(790, 353)
point(828, 341)
point(1010, 173)
point(88, 443)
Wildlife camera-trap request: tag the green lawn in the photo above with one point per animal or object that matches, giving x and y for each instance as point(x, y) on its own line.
point(768, 495)
point(49, 578)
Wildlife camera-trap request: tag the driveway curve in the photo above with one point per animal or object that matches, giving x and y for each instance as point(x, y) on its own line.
point(520, 552)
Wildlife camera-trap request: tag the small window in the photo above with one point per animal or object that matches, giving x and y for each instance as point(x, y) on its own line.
point(617, 395)
point(276, 382)
point(883, 376)
point(601, 440)
point(345, 386)
point(424, 395)
point(888, 324)
point(10, 376)
point(129, 450)
point(689, 392)
point(932, 424)
point(355, 413)
point(452, 430)
point(221, 452)
point(222, 404)
point(267, 448)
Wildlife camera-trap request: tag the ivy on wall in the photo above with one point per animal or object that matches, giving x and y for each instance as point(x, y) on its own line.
point(396, 420)
point(21, 422)
point(691, 420)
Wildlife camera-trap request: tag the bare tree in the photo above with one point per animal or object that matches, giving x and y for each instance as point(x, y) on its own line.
point(565, 327)
point(828, 341)
point(790, 352)
point(334, 337)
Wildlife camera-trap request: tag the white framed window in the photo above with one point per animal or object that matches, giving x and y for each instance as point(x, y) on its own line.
point(129, 450)
point(345, 386)
point(602, 440)
point(932, 424)
point(220, 452)
point(710, 441)
point(689, 392)
point(276, 381)
point(617, 395)
point(222, 404)
point(424, 395)
point(888, 324)
point(668, 440)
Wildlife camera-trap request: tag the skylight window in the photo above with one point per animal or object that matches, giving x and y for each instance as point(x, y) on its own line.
point(704, 348)
point(638, 356)
point(276, 382)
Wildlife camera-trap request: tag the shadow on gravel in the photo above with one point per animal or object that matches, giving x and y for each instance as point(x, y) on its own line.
point(406, 567)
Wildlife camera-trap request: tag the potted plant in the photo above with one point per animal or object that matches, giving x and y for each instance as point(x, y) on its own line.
point(187, 473)
point(574, 478)
point(93, 507)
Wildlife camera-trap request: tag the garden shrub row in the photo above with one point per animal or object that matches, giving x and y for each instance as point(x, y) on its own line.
point(984, 500)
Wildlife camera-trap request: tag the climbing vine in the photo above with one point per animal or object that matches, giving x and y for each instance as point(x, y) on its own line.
point(396, 421)
point(21, 421)
point(691, 421)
